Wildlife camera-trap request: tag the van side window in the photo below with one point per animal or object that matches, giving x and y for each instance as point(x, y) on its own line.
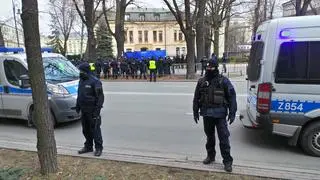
point(13, 71)
point(298, 62)
point(256, 55)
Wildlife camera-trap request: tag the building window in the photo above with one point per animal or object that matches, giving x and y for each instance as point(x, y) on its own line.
point(158, 49)
point(146, 36)
point(177, 51)
point(180, 36)
point(157, 17)
point(140, 36)
point(128, 50)
point(154, 36)
point(160, 36)
point(127, 17)
point(144, 49)
point(142, 17)
point(175, 35)
point(131, 36)
point(125, 36)
point(183, 49)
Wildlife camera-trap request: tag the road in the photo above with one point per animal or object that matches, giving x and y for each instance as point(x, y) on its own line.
point(155, 119)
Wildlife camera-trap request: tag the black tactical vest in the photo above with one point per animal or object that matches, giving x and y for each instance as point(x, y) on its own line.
point(212, 93)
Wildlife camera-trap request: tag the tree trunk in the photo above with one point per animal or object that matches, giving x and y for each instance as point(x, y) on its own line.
point(200, 30)
point(256, 17)
point(1, 38)
point(65, 47)
point(46, 143)
point(226, 31)
point(208, 41)
point(216, 41)
point(120, 45)
point(190, 40)
point(91, 45)
point(265, 9)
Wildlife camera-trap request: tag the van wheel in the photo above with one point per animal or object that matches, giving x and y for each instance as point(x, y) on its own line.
point(310, 139)
point(32, 123)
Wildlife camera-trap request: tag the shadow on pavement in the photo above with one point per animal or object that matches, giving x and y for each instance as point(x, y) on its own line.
point(262, 139)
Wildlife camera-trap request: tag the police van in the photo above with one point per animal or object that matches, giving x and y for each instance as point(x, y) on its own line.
point(62, 79)
point(284, 81)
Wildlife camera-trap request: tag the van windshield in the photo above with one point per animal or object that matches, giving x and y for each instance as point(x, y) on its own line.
point(256, 55)
point(59, 69)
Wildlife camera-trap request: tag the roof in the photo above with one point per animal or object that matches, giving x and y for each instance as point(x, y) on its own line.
point(149, 15)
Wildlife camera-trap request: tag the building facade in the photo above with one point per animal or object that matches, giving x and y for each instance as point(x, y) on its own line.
point(10, 36)
point(75, 45)
point(151, 29)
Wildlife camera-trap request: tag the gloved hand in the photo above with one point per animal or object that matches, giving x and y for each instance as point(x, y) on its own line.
point(231, 118)
point(78, 110)
point(196, 116)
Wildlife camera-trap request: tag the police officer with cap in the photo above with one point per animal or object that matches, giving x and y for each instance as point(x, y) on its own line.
point(215, 97)
point(89, 102)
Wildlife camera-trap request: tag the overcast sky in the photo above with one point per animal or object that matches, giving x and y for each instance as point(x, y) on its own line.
point(6, 11)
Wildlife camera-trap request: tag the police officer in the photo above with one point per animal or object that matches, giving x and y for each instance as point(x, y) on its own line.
point(216, 98)
point(153, 69)
point(89, 102)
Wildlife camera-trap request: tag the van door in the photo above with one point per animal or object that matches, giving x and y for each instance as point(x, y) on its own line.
point(15, 99)
point(254, 70)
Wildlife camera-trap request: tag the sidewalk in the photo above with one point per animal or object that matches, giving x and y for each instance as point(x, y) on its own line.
point(242, 168)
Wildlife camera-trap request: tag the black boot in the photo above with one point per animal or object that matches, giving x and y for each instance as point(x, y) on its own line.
point(98, 152)
point(85, 150)
point(208, 160)
point(228, 166)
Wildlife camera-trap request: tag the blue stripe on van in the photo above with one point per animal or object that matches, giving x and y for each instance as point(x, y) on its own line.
point(20, 91)
point(72, 89)
point(294, 106)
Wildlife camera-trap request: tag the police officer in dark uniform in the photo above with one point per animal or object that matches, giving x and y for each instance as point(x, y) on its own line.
point(215, 97)
point(89, 102)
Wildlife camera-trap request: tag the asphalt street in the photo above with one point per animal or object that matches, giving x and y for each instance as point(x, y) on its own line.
point(155, 119)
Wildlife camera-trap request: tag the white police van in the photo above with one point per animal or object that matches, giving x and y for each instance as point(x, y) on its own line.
point(284, 81)
point(62, 79)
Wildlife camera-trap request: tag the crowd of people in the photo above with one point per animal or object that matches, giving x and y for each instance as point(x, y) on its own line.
point(123, 68)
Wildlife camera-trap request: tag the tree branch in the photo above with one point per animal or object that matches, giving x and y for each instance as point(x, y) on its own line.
point(95, 9)
point(176, 14)
point(80, 13)
point(129, 2)
point(106, 18)
point(97, 18)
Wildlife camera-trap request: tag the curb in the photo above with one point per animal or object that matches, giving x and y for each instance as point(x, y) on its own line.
point(184, 163)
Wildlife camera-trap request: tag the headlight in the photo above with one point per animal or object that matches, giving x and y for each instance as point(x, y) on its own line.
point(57, 90)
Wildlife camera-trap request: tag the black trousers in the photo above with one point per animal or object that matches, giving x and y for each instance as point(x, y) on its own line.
point(153, 72)
point(91, 130)
point(210, 124)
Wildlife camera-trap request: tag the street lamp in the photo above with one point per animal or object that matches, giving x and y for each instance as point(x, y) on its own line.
point(15, 20)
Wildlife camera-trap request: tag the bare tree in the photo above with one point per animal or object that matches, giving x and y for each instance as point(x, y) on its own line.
point(200, 28)
point(301, 6)
point(257, 17)
point(90, 19)
point(118, 33)
point(314, 5)
point(272, 4)
point(46, 144)
point(219, 12)
point(186, 22)
point(63, 15)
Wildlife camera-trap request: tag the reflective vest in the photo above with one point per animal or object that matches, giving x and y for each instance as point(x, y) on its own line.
point(92, 67)
point(152, 65)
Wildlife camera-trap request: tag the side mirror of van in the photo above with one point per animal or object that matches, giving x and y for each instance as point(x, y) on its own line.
point(24, 82)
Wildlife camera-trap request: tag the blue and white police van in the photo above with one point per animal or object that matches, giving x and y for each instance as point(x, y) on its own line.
point(62, 79)
point(284, 81)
